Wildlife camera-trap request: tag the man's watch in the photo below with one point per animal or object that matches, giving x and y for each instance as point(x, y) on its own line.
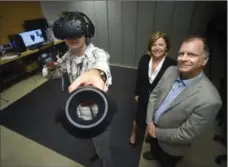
point(103, 76)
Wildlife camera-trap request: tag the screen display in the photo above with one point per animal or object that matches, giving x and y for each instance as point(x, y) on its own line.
point(32, 37)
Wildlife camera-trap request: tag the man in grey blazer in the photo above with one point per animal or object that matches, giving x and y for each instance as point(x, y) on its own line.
point(182, 105)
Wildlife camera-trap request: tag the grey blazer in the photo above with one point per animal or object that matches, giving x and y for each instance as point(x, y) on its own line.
point(187, 116)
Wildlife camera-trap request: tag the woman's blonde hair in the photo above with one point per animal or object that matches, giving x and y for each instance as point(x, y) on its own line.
point(155, 36)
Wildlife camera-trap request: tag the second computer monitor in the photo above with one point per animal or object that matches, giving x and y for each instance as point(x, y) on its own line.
point(32, 38)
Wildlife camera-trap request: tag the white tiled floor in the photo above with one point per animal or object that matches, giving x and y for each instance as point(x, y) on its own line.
point(202, 153)
point(17, 150)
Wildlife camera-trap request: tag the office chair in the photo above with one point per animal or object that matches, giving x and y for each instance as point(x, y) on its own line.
point(223, 157)
point(223, 122)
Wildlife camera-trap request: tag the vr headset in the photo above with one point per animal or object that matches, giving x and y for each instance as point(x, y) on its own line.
point(73, 25)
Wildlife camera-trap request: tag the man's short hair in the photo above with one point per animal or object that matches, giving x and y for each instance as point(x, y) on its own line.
point(202, 38)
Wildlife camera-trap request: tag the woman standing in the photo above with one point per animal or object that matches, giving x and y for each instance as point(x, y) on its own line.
point(150, 69)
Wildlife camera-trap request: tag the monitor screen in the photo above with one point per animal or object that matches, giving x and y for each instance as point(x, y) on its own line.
point(32, 37)
point(40, 23)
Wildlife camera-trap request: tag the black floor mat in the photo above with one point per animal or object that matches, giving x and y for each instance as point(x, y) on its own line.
point(33, 116)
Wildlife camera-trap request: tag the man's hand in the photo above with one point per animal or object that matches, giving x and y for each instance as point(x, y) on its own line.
point(53, 65)
point(151, 129)
point(92, 78)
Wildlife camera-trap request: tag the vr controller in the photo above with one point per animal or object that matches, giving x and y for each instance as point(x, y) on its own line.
point(73, 25)
point(87, 95)
point(48, 57)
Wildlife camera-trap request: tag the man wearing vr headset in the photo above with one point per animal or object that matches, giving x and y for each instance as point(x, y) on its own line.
point(85, 65)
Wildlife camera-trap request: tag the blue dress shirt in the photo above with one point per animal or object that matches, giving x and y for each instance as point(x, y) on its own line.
point(178, 86)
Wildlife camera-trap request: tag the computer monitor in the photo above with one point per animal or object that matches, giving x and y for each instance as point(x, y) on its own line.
point(34, 24)
point(17, 43)
point(40, 23)
point(32, 38)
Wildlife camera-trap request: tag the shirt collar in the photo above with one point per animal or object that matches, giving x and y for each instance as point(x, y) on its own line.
point(88, 49)
point(187, 82)
point(159, 65)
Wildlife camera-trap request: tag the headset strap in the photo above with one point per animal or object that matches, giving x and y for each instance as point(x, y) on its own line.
point(87, 18)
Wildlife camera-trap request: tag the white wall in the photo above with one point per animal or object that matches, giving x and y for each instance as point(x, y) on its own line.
point(123, 27)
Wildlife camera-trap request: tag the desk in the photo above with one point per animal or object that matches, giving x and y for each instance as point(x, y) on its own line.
point(17, 68)
point(29, 52)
